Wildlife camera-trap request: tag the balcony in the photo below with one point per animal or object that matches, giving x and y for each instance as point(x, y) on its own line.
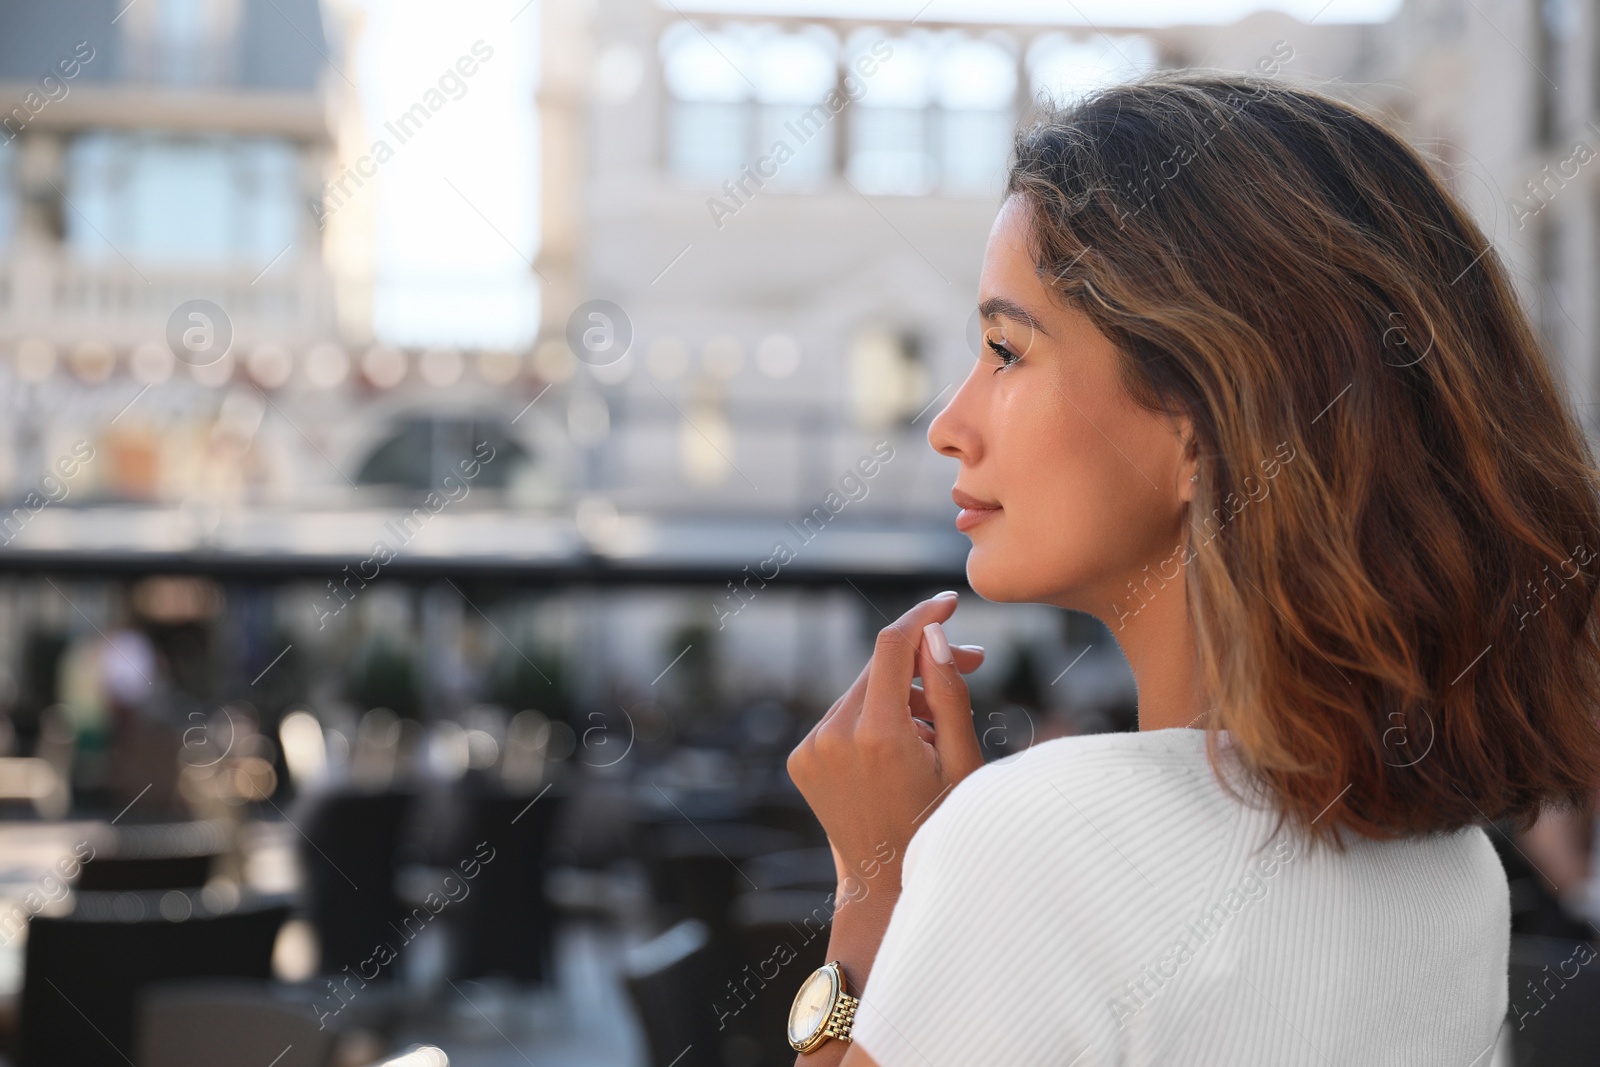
point(59, 299)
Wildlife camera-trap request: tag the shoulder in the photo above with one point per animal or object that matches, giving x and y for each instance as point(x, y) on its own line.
point(1046, 875)
point(1087, 768)
point(1455, 878)
point(1131, 790)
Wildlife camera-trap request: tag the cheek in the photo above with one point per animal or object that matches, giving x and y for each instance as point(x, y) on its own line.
point(1045, 470)
point(1079, 515)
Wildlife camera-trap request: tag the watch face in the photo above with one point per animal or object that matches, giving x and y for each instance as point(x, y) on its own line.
point(810, 1009)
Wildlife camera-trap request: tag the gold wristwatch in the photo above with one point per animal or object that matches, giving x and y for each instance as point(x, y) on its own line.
point(821, 1009)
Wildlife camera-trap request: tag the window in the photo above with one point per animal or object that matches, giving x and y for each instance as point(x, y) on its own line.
point(975, 86)
point(923, 111)
point(707, 136)
point(1065, 69)
point(793, 72)
point(190, 200)
point(423, 450)
point(737, 91)
point(890, 147)
point(937, 116)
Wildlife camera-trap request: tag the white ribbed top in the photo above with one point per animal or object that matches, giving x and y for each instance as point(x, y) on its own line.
point(1099, 901)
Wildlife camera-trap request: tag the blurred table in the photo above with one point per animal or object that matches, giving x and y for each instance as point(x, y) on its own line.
point(37, 863)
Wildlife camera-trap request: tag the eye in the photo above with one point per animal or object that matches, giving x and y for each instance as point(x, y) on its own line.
point(1007, 357)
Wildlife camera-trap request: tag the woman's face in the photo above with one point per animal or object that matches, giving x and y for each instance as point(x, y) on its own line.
point(1068, 488)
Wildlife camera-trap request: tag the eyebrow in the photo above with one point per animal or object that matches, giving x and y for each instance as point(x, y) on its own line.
point(996, 306)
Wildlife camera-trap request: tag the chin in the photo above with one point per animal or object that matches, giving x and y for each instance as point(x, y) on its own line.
point(1001, 577)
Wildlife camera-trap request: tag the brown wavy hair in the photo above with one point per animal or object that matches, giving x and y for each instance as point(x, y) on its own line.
point(1398, 632)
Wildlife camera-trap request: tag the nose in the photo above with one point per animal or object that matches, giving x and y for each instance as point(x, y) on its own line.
point(953, 432)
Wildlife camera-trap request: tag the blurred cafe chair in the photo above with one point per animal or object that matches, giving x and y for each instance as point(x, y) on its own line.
point(155, 856)
point(83, 973)
point(506, 924)
point(350, 819)
point(347, 845)
point(116, 873)
point(782, 930)
point(672, 983)
point(698, 869)
point(203, 1024)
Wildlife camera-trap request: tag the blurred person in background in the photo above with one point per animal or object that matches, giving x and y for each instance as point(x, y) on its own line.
point(112, 688)
point(1560, 848)
point(1258, 394)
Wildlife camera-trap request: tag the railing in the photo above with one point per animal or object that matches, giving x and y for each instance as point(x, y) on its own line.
point(63, 300)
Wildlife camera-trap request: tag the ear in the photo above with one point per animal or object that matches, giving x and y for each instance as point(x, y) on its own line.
point(1188, 466)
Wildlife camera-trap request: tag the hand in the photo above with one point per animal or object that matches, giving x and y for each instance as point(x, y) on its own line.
point(870, 769)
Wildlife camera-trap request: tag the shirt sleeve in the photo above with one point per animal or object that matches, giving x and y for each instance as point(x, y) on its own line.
point(976, 964)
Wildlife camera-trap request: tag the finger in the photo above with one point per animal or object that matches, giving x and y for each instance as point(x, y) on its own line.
point(945, 692)
point(808, 743)
point(894, 662)
point(917, 699)
point(851, 696)
point(968, 658)
point(926, 732)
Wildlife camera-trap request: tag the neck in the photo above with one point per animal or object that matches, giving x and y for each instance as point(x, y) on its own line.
point(1158, 639)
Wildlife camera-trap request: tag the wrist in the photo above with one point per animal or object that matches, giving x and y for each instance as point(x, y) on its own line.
point(860, 918)
point(873, 878)
point(855, 893)
point(857, 929)
point(824, 1009)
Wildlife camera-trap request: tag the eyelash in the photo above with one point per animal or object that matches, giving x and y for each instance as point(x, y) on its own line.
point(1008, 358)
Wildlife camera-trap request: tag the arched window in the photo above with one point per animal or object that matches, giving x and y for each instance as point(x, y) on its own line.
point(975, 86)
point(1064, 69)
point(737, 91)
point(890, 149)
point(793, 73)
point(916, 112)
point(708, 117)
point(421, 451)
point(937, 114)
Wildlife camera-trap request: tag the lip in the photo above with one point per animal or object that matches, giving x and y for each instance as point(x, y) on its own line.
point(973, 510)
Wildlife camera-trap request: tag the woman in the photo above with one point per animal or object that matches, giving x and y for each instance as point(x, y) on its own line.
point(1257, 394)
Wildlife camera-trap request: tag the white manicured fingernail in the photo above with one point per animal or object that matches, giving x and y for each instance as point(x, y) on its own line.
point(970, 648)
point(938, 644)
point(948, 594)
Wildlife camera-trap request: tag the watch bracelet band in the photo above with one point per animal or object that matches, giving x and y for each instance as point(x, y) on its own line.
point(843, 1017)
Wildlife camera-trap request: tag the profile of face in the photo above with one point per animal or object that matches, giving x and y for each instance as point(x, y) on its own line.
point(1069, 488)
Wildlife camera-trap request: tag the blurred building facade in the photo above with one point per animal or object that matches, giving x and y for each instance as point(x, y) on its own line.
point(1517, 147)
point(760, 240)
point(154, 155)
point(791, 212)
